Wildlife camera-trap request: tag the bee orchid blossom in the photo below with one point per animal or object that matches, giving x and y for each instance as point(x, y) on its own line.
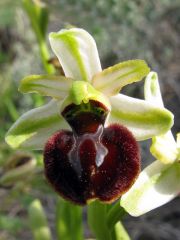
point(88, 131)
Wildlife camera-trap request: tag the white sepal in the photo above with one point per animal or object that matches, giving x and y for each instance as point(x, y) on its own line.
point(32, 129)
point(77, 53)
point(142, 118)
point(156, 185)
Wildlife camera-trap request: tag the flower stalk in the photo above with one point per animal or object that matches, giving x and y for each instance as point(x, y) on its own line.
point(38, 15)
point(115, 214)
point(119, 232)
point(97, 216)
point(68, 220)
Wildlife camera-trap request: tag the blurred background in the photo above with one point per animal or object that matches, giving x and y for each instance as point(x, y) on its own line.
point(123, 30)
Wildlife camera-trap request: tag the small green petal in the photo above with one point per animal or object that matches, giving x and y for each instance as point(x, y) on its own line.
point(156, 185)
point(163, 147)
point(32, 129)
point(83, 92)
point(143, 119)
point(111, 80)
point(77, 53)
point(46, 85)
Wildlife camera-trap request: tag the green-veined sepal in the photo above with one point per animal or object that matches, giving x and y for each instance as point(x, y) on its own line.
point(46, 85)
point(164, 146)
point(156, 185)
point(142, 118)
point(32, 129)
point(111, 80)
point(152, 90)
point(178, 146)
point(77, 53)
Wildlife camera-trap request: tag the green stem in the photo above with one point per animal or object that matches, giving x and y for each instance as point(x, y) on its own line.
point(38, 100)
point(97, 220)
point(38, 16)
point(119, 232)
point(11, 109)
point(68, 221)
point(45, 55)
point(115, 214)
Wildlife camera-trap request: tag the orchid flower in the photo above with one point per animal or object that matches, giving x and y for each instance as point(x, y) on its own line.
point(88, 130)
point(158, 183)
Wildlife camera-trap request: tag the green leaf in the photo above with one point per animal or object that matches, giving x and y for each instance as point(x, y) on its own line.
point(143, 119)
point(68, 221)
point(156, 185)
point(111, 80)
point(163, 147)
point(32, 129)
point(38, 221)
point(77, 53)
point(46, 85)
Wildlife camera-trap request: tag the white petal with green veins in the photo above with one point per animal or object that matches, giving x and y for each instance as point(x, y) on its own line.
point(46, 85)
point(178, 140)
point(156, 185)
point(163, 147)
point(143, 119)
point(178, 146)
point(111, 80)
point(152, 90)
point(32, 129)
point(77, 53)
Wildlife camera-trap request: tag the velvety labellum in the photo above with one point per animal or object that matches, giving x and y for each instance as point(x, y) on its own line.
point(91, 162)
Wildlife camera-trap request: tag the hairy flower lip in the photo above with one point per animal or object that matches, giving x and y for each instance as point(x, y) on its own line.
point(90, 156)
point(72, 170)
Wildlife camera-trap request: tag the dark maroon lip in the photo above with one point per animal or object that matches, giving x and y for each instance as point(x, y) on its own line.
point(91, 161)
point(86, 117)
